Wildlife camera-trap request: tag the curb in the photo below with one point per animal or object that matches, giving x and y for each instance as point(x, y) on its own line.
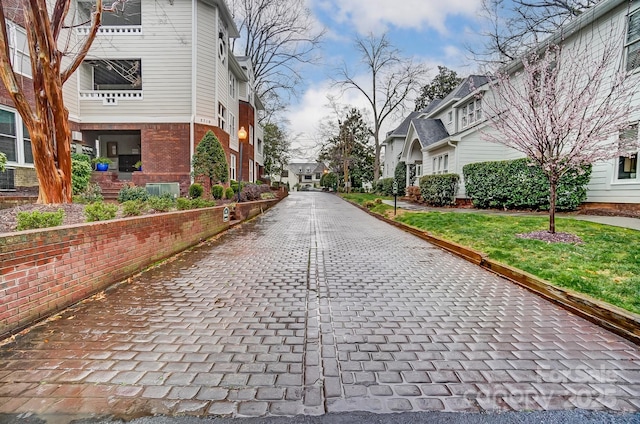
point(610, 317)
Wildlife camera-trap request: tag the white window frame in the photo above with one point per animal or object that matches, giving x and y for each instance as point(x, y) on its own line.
point(251, 171)
point(233, 167)
point(222, 117)
point(19, 138)
point(233, 130)
point(250, 134)
point(630, 165)
point(19, 55)
point(233, 84)
point(471, 112)
point(440, 164)
point(632, 65)
point(450, 116)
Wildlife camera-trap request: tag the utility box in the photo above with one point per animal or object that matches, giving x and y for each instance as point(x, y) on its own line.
point(158, 189)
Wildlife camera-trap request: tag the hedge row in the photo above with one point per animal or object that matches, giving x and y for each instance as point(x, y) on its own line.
point(439, 190)
point(517, 184)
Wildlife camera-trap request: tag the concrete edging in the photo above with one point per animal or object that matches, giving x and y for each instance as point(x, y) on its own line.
point(610, 317)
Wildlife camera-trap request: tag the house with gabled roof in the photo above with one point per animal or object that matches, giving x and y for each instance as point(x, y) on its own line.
point(449, 136)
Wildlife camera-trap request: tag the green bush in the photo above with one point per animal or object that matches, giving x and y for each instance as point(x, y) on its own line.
point(195, 190)
point(133, 207)
point(3, 161)
point(517, 184)
point(439, 190)
point(80, 172)
point(267, 196)
point(369, 204)
point(229, 193)
point(384, 186)
point(100, 211)
point(93, 193)
point(202, 203)
point(217, 191)
point(400, 175)
point(161, 203)
point(133, 193)
point(235, 185)
point(37, 219)
point(183, 204)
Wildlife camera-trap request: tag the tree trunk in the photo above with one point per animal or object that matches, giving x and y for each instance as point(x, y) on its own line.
point(376, 161)
point(552, 205)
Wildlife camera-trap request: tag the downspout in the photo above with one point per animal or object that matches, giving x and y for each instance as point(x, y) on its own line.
point(194, 62)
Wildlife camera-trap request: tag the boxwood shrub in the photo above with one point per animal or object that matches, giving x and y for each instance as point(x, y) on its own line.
point(439, 190)
point(517, 184)
point(384, 186)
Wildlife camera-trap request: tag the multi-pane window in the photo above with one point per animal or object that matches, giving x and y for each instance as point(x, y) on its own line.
point(222, 116)
point(260, 147)
point(15, 141)
point(8, 135)
point(450, 116)
point(118, 13)
point(440, 164)
point(628, 165)
point(232, 167)
point(233, 84)
point(233, 130)
point(116, 74)
point(472, 112)
point(250, 134)
point(26, 142)
point(251, 170)
point(19, 49)
point(632, 42)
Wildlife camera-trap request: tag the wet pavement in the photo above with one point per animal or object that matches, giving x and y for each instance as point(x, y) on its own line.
point(315, 308)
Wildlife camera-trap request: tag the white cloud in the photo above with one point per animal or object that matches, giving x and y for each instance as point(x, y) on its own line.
point(372, 15)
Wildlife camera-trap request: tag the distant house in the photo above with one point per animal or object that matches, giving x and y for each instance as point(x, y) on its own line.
point(302, 175)
point(156, 79)
point(448, 134)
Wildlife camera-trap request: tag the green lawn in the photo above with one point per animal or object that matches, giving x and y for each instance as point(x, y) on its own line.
point(360, 198)
point(606, 266)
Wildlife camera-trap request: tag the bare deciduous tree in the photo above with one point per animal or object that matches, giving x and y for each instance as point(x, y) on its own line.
point(278, 36)
point(566, 107)
point(392, 80)
point(516, 26)
point(47, 120)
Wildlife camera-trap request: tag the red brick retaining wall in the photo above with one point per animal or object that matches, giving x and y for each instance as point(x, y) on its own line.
point(44, 271)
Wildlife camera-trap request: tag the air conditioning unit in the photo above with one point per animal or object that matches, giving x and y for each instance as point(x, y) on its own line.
point(158, 189)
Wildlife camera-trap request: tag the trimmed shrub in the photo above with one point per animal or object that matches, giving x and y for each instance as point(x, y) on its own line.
point(229, 193)
point(400, 175)
point(93, 193)
point(217, 191)
point(439, 190)
point(200, 203)
point(37, 219)
point(80, 172)
point(183, 204)
point(162, 203)
point(132, 192)
point(195, 190)
point(377, 201)
point(100, 211)
point(235, 185)
point(369, 204)
point(384, 186)
point(517, 184)
point(133, 208)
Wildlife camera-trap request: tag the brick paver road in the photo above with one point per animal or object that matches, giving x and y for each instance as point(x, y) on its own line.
point(316, 307)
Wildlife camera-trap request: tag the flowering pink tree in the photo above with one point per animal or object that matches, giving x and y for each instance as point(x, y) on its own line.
point(564, 108)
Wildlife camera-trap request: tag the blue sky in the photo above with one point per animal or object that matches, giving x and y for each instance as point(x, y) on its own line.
point(434, 32)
